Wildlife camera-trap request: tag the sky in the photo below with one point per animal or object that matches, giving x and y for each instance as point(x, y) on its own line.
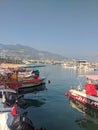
point(65, 27)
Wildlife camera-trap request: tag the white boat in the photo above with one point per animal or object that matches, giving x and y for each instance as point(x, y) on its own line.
point(3, 121)
point(9, 118)
point(7, 101)
point(79, 94)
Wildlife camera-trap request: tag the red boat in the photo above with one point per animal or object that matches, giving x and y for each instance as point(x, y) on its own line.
point(11, 78)
point(79, 94)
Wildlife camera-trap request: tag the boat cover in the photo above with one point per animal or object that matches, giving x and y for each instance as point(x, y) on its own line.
point(92, 77)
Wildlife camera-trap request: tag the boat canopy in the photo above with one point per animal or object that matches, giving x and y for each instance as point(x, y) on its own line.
point(91, 77)
point(31, 66)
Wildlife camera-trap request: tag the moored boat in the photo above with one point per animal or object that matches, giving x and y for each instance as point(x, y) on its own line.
point(31, 87)
point(7, 99)
point(80, 94)
point(21, 80)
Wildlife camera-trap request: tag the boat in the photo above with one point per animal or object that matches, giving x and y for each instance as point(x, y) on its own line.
point(23, 122)
point(31, 81)
point(30, 86)
point(22, 80)
point(89, 117)
point(79, 93)
point(7, 103)
point(9, 118)
point(7, 99)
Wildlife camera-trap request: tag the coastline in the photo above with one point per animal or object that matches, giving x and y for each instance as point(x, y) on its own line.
point(10, 65)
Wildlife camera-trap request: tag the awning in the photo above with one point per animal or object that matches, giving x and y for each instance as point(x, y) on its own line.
point(92, 77)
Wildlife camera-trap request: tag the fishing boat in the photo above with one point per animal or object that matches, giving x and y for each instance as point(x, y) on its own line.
point(31, 80)
point(22, 80)
point(31, 86)
point(81, 95)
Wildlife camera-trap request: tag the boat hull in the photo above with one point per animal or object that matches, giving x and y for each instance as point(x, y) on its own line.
point(28, 85)
point(83, 98)
point(31, 88)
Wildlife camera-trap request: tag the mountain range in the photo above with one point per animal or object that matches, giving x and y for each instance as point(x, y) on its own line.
point(26, 52)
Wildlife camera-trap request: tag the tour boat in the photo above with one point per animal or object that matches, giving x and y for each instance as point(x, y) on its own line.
point(80, 95)
point(26, 82)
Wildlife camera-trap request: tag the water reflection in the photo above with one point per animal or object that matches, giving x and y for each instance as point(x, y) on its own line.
point(25, 103)
point(33, 89)
point(89, 120)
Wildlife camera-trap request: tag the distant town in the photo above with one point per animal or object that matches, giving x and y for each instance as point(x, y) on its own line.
point(19, 54)
point(72, 64)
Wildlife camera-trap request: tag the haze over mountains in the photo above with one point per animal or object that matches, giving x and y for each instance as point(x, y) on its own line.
point(26, 52)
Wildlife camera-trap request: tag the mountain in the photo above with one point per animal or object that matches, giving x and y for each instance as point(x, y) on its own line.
point(26, 52)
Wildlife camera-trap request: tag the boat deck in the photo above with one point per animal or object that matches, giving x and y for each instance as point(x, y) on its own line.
point(82, 93)
point(4, 107)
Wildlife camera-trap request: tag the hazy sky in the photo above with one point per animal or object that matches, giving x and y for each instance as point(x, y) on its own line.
point(66, 27)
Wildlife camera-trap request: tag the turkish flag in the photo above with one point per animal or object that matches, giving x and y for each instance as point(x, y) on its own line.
point(13, 110)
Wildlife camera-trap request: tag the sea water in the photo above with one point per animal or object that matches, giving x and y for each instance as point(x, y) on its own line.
point(51, 109)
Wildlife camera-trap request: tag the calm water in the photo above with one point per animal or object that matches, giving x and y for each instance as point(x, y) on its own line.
point(51, 109)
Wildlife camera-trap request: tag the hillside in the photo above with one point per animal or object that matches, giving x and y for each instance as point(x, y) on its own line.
point(26, 52)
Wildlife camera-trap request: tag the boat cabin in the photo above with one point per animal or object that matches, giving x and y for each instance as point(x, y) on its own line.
point(7, 99)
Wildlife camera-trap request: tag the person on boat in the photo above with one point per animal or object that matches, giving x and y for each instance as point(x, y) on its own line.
point(35, 76)
point(90, 89)
point(37, 72)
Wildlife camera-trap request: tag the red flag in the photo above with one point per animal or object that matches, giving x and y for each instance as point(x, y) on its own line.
point(13, 110)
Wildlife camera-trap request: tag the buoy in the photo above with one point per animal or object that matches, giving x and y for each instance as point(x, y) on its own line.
point(66, 94)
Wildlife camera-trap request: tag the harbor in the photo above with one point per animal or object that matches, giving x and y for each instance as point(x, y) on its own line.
point(51, 109)
point(51, 105)
point(49, 65)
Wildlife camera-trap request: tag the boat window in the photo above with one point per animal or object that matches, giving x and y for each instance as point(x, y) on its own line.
point(96, 86)
point(4, 93)
point(0, 94)
point(11, 93)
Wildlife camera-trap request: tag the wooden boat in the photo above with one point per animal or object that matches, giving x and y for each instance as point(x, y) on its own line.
point(31, 85)
point(11, 78)
point(80, 95)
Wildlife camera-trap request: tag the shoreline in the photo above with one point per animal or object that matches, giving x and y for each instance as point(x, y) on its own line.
point(10, 65)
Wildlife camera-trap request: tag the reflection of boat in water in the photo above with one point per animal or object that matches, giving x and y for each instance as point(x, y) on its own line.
point(31, 88)
point(81, 95)
point(89, 120)
point(25, 103)
point(83, 108)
